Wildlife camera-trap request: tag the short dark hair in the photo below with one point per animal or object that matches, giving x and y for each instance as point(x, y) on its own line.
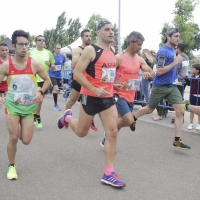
point(38, 36)
point(3, 45)
point(19, 33)
point(69, 56)
point(181, 46)
point(197, 67)
point(85, 30)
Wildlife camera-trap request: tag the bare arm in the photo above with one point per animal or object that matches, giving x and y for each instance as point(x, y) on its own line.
point(148, 72)
point(86, 57)
point(165, 69)
point(76, 56)
point(3, 70)
point(38, 69)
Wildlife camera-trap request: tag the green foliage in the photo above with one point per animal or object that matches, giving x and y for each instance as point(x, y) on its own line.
point(73, 32)
point(32, 41)
point(91, 25)
point(125, 43)
point(183, 20)
point(115, 37)
point(2, 37)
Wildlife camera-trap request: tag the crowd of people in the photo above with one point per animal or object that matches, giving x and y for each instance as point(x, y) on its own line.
point(104, 81)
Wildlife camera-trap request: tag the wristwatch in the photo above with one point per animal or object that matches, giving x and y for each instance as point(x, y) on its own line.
point(41, 92)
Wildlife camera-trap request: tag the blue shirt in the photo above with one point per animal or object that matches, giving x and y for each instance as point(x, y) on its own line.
point(169, 77)
point(59, 61)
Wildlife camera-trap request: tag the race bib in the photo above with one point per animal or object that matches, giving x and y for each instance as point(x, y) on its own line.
point(58, 67)
point(23, 99)
point(108, 75)
point(133, 84)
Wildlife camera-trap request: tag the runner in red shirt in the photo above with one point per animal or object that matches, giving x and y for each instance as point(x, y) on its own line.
point(3, 57)
point(95, 72)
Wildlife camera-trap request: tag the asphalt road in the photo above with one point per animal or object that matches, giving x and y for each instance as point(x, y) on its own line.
point(59, 165)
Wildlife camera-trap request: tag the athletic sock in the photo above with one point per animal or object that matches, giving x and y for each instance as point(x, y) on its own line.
point(177, 139)
point(12, 165)
point(55, 98)
point(67, 118)
point(108, 170)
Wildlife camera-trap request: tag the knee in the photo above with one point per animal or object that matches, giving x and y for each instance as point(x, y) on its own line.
point(149, 110)
point(14, 139)
point(112, 134)
point(26, 141)
point(81, 133)
point(179, 112)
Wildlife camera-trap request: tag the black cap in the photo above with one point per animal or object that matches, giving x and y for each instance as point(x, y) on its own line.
point(170, 31)
point(101, 24)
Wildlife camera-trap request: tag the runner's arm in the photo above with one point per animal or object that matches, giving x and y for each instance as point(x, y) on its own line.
point(76, 56)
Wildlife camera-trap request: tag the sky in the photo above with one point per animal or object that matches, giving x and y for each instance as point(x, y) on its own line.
point(144, 16)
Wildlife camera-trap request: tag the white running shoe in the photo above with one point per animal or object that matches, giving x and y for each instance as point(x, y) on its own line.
point(198, 127)
point(190, 126)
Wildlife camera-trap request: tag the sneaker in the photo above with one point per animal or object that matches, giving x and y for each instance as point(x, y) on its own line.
point(103, 141)
point(190, 126)
point(198, 127)
point(35, 121)
point(112, 180)
point(180, 144)
point(93, 127)
point(61, 120)
point(185, 104)
point(132, 126)
point(56, 107)
point(12, 173)
point(38, 123)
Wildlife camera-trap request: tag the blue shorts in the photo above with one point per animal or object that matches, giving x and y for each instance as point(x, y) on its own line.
point(123, 106)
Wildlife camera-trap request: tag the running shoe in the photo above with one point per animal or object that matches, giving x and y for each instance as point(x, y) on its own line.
point(38, 123)
point(181, 145)
point(190, 126)
point(93, 127)
point(112, 180)
point(12, 173)
point(198, 127)
point(103, 141)
point(56, 107)
point(61, 120)
point(185, 104)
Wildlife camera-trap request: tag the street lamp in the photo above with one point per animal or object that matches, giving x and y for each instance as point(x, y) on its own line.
point(119, 44)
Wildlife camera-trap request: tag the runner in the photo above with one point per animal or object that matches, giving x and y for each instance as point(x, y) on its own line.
point(46, 59)
point(129, 64)
point(76, 87)
point(3, 57)
point(22, 96)
point(95, 71)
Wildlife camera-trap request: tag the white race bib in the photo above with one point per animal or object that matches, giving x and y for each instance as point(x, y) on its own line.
point(108, 74)
point(133, 84)
point(58, 67)
point(23, 99)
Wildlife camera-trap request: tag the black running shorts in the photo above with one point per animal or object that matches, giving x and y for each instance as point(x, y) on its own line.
point(76, 86)
point(93, 105)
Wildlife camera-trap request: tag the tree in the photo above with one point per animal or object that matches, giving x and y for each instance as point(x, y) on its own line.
point(115, 37)
point(91, 25)
point(73, 31)
point(32, 41)
point(125, 43)
point(49, 42)
point(183, 20)
point(2, 37)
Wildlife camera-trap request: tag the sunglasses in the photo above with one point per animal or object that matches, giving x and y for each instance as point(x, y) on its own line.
point(40, 40)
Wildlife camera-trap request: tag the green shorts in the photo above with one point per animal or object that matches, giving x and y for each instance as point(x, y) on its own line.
point(172, 95)
point(22, 111)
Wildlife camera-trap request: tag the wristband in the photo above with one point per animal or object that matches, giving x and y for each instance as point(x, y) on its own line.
point(50, 65)
point(41, 92)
